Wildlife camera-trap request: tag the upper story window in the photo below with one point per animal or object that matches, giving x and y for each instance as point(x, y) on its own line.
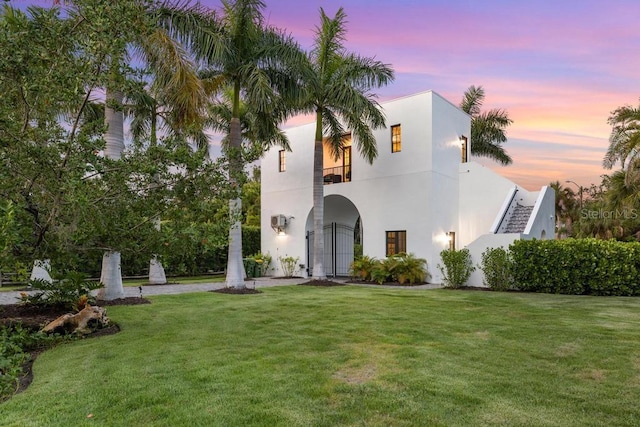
point(396, 242)
point(282, 161)
point(465, 149)
point(337, 170)
point(396, 139)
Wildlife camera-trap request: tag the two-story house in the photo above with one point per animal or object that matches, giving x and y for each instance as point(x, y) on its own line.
point(421, 195)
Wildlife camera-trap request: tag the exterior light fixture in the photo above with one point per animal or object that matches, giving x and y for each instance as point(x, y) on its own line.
point(281, 232)
point(451, 236)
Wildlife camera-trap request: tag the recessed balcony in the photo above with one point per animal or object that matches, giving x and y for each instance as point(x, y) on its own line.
point(336, 175)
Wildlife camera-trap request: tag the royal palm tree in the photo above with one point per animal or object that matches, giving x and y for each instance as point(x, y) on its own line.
point(488, 128)
point(624, 141)
point(257, 62)
point(338, 85)
point(154, 34)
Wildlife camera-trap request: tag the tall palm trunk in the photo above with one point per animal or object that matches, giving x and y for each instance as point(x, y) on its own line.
point(111, 275)
point(235, 267)
point(318, 203)
point(157, 274)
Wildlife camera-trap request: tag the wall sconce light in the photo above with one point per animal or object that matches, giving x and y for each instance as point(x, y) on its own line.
point(281, 232)
point(451, 236)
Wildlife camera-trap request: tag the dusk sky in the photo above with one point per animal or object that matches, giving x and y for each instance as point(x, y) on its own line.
point(559, 67)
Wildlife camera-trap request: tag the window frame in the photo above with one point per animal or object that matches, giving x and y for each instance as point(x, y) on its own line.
point(396, 139)
point(282, 161)
point(464, 149)
point(396, 240)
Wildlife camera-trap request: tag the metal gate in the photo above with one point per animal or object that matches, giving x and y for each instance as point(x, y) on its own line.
point(338, 250)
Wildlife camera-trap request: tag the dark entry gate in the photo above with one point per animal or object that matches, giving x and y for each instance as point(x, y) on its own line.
point(338, 250)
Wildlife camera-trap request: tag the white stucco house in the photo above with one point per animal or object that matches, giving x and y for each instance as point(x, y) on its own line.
point(422, 194)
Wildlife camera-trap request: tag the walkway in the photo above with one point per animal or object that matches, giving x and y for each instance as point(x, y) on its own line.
point(259, 282)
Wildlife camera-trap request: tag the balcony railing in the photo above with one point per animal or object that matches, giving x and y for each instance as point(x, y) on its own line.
point(337, 174)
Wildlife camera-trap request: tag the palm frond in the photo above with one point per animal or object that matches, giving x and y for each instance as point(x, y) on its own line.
point(472, 100)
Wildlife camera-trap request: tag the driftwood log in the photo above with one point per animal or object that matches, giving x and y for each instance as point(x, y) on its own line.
point(84, 322)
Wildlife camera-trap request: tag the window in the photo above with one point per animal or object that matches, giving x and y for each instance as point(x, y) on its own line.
point(396, 242)
point(465, 148)
point(396, 139)
point(346, 164)
point(282, 164)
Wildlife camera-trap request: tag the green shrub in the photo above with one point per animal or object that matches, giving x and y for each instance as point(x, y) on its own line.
point(410, 269)
point(289, 265)
point(497, 266)
point(250, 239)
point(362, 268)
point(456, 267)
point(577, 266)
point(402, 268)
point(383, 270)
point(264, 261)
point(66, 290)
point(15, 344)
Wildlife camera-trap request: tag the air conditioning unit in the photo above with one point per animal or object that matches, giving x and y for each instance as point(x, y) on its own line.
point(278, 221)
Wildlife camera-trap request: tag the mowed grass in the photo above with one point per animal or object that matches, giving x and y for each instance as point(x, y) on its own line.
point(188, 280)
point(304, 356)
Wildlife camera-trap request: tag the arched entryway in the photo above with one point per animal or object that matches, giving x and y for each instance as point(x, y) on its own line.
point(342, 235)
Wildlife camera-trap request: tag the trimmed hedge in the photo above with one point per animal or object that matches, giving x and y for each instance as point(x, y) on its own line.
point(577, 266)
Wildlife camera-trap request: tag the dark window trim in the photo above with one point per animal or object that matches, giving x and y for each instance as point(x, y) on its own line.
point(282, 162)
point(397, 239)
point(465, 148)
point(396, 146)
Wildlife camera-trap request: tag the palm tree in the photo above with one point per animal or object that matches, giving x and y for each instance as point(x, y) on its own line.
point(338, 85)
point(257, 62)
point(488, 129)
point(157, 42)
point(566, 209)
point(624, 141)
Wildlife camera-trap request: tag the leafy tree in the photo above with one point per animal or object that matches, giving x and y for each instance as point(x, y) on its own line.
point(152, 30)
point(48, 136)
point(69, 203)
point(257, 62)
point(338, 85)
point(488, 128)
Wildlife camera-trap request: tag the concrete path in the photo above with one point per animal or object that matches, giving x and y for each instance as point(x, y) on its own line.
point(259, 282)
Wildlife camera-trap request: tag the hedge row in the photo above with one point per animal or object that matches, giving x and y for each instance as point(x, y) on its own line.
point(577, 266)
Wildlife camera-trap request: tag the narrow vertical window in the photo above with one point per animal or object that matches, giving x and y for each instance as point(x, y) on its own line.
point(282, 164)
point(396, 139)
point(465, 148)
point(396, 242)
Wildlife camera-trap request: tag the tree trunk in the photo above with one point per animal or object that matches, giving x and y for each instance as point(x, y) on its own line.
point(235, 267)
point(114, 136)
point(41, 270)
point(111, 276)
point(318, 204)
point(157, 275)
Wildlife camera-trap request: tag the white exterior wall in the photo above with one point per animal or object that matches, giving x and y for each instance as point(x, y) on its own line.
point(423, 189)
point(482, 193)
point(415, 189)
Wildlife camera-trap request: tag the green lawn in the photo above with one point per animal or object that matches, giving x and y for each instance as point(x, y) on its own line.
point(178, 280)
point(138, 282)
point(304, 356)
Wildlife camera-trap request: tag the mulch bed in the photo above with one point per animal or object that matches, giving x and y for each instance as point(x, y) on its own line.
point(321, 283)
point(35, 318)
point(237, 291)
